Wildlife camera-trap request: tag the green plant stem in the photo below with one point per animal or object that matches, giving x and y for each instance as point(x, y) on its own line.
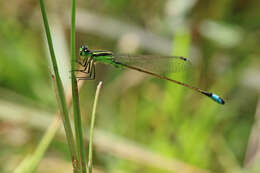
point(75, 95)
point(30, 163)
point(61, 95)
point(90, 163)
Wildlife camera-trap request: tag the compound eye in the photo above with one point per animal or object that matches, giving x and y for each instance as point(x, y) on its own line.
point(83, 46)
point(83, 50)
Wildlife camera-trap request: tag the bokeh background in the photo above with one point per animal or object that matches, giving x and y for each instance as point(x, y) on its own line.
point(143, 124)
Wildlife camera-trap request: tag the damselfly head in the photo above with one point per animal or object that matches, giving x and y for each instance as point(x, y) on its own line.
point(83, 50)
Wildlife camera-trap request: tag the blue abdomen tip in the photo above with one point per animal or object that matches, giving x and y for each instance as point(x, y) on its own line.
point(216, 98)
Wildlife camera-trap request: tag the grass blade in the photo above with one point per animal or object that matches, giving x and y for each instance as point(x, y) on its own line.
point(90, 163)
point(31, 162)
point(61, 95)
point(75, 94)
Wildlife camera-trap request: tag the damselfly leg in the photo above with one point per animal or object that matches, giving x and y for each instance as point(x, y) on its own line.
point(89, 69)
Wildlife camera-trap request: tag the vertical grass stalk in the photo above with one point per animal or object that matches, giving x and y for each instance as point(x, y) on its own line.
point(93, 116)
point(75, 94)
point(61, 95)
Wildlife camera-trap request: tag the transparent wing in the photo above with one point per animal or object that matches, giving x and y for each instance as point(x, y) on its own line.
point(155, 63)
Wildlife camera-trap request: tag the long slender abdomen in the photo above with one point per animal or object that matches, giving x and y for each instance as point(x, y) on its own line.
point(213, 96)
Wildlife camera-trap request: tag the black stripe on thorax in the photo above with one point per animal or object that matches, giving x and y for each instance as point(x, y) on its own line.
point(101, 53)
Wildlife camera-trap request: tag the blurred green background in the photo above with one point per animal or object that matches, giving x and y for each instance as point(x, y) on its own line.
point(143, 124)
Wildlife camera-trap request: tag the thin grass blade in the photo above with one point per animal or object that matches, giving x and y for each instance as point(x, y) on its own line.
point(93, 116)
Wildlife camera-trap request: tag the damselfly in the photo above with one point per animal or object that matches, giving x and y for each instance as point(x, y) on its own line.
point(156, 66)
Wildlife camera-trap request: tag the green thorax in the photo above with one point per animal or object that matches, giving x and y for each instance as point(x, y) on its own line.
point(102, 56)
point(106, 57)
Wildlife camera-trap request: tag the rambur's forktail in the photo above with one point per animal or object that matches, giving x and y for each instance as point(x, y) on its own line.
point(153, 65)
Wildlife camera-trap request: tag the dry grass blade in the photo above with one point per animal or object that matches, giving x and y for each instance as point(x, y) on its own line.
point(90, 162)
